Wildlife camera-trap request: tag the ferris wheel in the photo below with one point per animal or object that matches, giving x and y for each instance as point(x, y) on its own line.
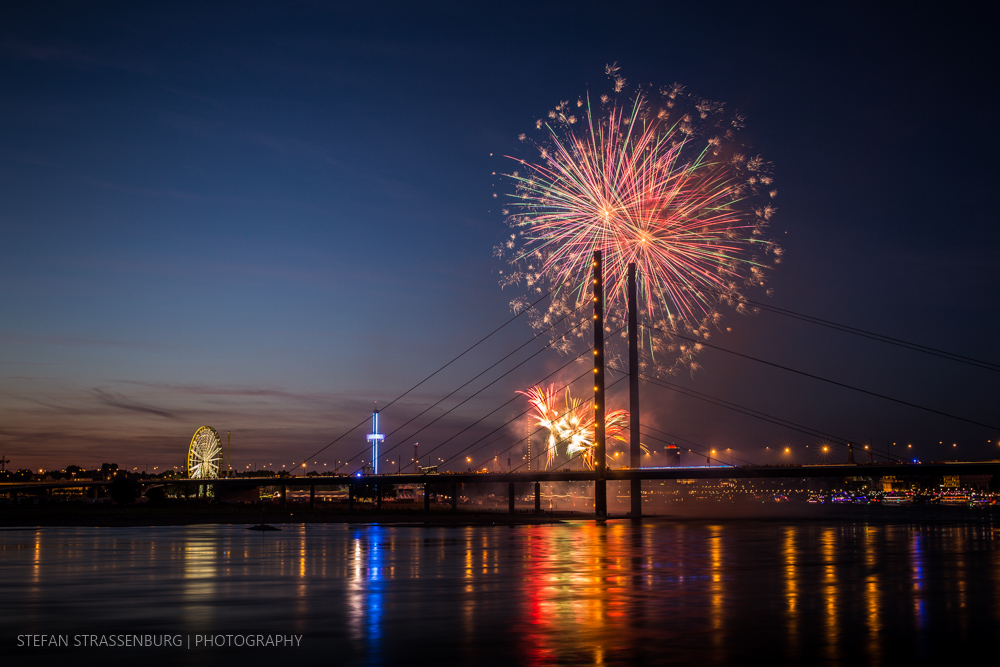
point(204, 454)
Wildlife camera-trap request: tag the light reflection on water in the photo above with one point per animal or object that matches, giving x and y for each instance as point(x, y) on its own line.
point(577, 593)
point(790, 556)
point(200, 577)
point(873, 596)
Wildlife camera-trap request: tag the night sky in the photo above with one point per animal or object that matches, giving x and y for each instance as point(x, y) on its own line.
point(264, 217)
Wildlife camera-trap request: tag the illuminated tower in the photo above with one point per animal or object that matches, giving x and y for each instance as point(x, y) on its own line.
point(375, 438)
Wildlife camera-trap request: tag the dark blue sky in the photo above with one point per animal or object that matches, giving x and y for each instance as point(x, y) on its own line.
point(265, 217)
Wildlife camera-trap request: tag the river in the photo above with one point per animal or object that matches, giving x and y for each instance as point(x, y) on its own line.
point(580, 592)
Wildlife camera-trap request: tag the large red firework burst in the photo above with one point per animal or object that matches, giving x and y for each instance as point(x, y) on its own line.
point(656, 178)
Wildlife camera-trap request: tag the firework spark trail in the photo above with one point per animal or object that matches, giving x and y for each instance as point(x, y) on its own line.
point(659, 182)
point(573, 427)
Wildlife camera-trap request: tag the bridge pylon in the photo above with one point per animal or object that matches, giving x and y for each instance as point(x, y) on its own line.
point(635, 448)
point(600, 455)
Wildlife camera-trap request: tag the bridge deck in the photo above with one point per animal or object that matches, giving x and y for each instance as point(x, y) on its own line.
point(701, 472)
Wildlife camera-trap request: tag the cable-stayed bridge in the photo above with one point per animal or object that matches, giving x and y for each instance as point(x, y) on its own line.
point(592, 462)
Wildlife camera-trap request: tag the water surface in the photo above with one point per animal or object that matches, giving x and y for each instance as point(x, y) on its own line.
point(661, 592)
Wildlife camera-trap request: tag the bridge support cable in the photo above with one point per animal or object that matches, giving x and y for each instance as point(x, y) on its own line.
point(750, 412)
point(512, 420)
point(898, 342)
point(484, 372)
point(462, 354)
point(580, 454)
point(510, 354)
point(504, 405)
point(471, 347)
point(507, 403)
point(473, 395)
point(821, 378)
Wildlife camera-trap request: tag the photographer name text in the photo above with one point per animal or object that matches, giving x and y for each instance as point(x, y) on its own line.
point(159, 641)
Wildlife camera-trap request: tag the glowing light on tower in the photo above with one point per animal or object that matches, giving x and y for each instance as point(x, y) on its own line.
point(375, 438)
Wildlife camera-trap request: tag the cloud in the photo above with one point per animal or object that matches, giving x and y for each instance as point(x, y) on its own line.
point(123, 403)
point(223, 390)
